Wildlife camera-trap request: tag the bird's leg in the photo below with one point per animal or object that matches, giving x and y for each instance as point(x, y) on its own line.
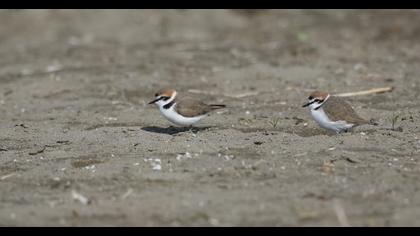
point(194, 130)
point(191, 129)
point(342, 131)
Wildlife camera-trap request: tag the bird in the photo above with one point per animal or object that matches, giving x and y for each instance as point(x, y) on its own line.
point(184, 112)
point(332, 112)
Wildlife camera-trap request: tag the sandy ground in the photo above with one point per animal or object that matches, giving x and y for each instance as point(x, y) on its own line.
point(79, 146)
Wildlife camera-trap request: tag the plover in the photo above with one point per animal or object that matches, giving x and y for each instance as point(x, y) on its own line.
point(333, 113)
point(182, 111)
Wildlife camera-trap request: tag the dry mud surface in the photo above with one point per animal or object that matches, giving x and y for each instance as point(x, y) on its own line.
point(79, 146)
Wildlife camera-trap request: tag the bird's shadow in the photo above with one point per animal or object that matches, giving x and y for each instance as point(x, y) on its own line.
point(171, 130)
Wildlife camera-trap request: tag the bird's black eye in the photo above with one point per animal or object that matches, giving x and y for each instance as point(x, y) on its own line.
point(310, 97)
point(166, 98)
point(156, 94)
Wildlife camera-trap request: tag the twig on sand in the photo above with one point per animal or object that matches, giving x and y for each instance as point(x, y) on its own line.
point(38, 151)
point(365, 92)
point(340, 213)
point(202, 92)
point(239, 95)
point(128, 193)
point(79, 197)
point(7, 176)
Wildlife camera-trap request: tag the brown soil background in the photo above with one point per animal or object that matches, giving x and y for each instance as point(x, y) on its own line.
point(74, 119)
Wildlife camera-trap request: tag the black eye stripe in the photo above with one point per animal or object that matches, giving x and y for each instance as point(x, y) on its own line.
point(165, 98)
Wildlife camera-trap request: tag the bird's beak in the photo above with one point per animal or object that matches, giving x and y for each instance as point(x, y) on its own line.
point(157, 99)
point(307, 104)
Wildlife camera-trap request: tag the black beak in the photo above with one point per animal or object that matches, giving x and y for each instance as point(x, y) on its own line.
point(157, 99)
point(307, 104)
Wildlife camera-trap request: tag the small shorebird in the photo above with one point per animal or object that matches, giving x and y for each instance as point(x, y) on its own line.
point(182, 111)
point(333, 113)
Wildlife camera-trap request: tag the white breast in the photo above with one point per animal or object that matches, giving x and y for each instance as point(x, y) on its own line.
point(322, 119)
point(177, 119)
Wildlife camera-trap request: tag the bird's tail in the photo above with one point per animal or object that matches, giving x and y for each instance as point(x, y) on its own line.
point(217, 106)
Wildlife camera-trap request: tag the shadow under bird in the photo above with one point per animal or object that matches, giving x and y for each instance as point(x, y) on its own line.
point(333, 113)
point(182, 111)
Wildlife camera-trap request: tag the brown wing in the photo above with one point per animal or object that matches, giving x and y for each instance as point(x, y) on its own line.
point(189, 107)
point(342, 111)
